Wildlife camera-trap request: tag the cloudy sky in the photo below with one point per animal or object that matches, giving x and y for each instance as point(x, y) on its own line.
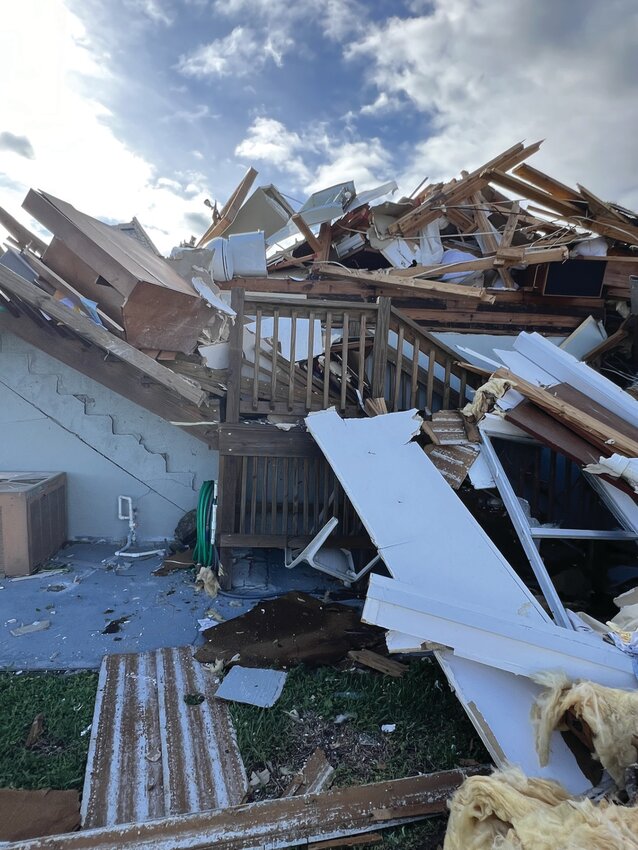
point(147, 107)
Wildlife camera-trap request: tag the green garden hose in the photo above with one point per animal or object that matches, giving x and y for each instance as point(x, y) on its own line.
point(205, 552)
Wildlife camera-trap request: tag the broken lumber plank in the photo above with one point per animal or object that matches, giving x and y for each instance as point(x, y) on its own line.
point(307, 233)
point(456, 192)
point(354, 841)
point(316, 776)
point(60, 283)
point(510, 226)
point(20, 233)
point(519, 256)
point(377, 662)
point(532, 193)
point(230, 209)
point(375, 406)
point(548, 184)
point(407, 283)
point(598, 432)
point(280, 823)
point(83, 326)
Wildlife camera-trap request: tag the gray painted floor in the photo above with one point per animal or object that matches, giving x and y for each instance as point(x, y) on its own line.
point(97, 589)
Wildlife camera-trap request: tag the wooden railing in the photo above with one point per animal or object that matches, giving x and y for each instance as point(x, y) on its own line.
point(292, 357)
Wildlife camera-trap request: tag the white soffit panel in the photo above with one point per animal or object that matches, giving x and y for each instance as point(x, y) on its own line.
point(567, 370)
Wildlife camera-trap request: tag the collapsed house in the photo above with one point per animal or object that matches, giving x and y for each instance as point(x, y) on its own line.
point(431, 398)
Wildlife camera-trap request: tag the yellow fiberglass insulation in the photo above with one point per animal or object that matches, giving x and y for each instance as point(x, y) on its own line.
point(508, 811)
point(611, 714)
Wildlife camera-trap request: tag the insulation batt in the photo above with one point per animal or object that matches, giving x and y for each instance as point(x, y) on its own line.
point(485, 398)
point(508, 811)
point(611, 714)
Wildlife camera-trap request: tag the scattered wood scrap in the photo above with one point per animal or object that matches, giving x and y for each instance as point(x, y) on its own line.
point(374, 661)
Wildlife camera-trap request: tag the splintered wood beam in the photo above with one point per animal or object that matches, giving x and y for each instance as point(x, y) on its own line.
point(526, 190)
point(458, 191)
point(510, 226)
point(285, 822)
point(483, 224)
point(325, 241)
point(391, 281)
point(306, 232)
point(20, 233)
point(60, 283)
point(84, 327)
point(230, 209)
point(543, 181)
point(598, 432)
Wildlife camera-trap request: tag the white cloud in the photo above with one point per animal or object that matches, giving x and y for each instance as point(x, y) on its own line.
point(236, 54)
point(20, 145)
point(366, 162)
point(269, 141)
point(78, 157)
point(155, 10)
point(488, 74)
point(267, 30)
point(333, 160)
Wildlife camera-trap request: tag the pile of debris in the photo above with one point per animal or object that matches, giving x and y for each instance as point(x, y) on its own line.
point(456, 509)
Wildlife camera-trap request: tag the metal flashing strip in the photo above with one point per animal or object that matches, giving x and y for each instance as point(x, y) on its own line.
point(151, 755)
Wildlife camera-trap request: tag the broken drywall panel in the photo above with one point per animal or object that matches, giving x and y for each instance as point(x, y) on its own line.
point(524, 368)
point(481, 477)
point(486, 636)
point(498, 704)
point(587, 336)
point(252, 685)
point(566, 369)
point(414, 518)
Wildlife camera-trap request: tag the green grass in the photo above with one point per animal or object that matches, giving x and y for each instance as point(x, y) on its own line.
point(59, 757)
point(432, 732)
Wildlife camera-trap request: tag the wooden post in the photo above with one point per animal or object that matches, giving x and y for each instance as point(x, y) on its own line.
point(228, 469)
point(380, 348)
point(233, 394)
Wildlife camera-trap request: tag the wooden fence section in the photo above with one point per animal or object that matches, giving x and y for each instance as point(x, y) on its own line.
point(292, 357)
point(284, 489)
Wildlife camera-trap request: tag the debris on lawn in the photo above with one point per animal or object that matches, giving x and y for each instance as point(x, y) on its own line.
point(292, 629)
point(35, 814)
point(444, 488)
point(252, 685)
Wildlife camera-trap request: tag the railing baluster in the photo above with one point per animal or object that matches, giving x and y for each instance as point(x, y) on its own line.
point(397, 376)
point(257, 363)
point(430, 386)
point(326, 361)
point(275, 347)
point(414, 384)
point(362, 352)
point(273, 499)
point(310, 360)
point(446, 383)
point(344, 360)
point(293, 347)
point(253, 494)
point(243, 494)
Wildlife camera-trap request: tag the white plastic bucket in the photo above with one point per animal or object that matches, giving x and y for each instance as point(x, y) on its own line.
point(221, 265)
point(248, 251)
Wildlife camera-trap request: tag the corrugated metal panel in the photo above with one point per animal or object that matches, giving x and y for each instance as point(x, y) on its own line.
point(151, 754)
